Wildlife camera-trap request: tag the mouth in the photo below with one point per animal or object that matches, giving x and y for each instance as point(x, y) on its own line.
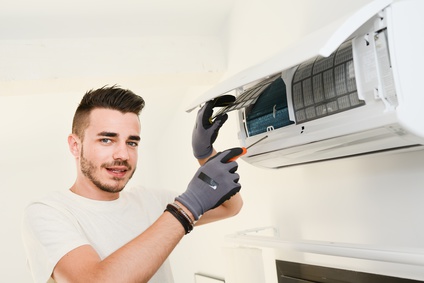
point(117, 172)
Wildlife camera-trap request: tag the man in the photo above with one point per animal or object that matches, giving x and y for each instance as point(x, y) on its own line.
point(98, 232)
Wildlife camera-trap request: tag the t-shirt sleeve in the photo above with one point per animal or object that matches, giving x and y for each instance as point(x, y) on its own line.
point(48, 234)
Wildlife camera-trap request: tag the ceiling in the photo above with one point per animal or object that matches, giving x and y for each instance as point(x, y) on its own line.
point(62, 42)
point(27, 19)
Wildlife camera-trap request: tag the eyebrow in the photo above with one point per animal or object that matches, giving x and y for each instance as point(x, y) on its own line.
point(112, 135)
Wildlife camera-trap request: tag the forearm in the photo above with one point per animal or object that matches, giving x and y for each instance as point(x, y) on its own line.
point(145, 254)
point(228, 209)
point(137, 261)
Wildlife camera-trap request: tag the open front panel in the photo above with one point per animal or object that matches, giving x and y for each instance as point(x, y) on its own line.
point(320, 87)
point(249, 96)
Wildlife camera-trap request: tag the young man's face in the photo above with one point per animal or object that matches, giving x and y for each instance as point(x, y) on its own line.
point(109, 150)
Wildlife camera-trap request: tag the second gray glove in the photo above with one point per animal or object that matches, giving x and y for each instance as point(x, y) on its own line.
point(214, 183)
point(205, 130)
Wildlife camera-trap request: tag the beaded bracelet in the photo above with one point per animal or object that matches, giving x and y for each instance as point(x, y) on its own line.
point(181, 216)
point(183, 213)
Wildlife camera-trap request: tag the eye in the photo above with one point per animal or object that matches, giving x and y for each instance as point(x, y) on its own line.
point(105, 140)
point(132, 144)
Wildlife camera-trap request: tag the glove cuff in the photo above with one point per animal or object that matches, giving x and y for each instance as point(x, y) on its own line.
point(203, 155)
point(193, 211)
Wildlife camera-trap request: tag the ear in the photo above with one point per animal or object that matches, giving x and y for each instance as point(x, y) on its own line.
point(74, 145)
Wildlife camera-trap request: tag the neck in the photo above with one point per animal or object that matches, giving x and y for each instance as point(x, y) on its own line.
point(93, 192)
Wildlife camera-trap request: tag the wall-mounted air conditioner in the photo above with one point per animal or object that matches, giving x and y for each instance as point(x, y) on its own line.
point(352, 88)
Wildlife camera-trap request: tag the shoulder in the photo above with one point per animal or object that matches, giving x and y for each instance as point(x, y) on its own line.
point(48, 210)
point(52, 200)
point(51, 197)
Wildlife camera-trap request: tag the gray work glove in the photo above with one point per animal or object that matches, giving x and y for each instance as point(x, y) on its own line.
point(205, 130)
point(213, 184)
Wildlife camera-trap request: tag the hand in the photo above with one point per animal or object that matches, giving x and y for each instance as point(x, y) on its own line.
point(214, 183)
point(205, 130)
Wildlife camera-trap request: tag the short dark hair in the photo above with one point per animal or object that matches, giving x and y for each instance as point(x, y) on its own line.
point(113, 97)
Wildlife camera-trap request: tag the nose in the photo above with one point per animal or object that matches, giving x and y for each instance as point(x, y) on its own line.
point(121, 152)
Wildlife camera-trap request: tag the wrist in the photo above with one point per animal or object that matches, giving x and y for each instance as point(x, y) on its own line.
point(185, 219)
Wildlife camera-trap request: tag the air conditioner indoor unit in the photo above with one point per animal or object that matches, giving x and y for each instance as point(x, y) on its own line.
point(352, 88)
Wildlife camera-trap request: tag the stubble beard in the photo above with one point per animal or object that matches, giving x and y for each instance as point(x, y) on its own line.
point(89, 169)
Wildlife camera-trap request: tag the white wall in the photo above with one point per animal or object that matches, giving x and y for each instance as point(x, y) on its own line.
point(368, 200)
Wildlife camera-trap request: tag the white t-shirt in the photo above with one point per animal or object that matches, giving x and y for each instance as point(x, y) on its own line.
point(63, 221)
